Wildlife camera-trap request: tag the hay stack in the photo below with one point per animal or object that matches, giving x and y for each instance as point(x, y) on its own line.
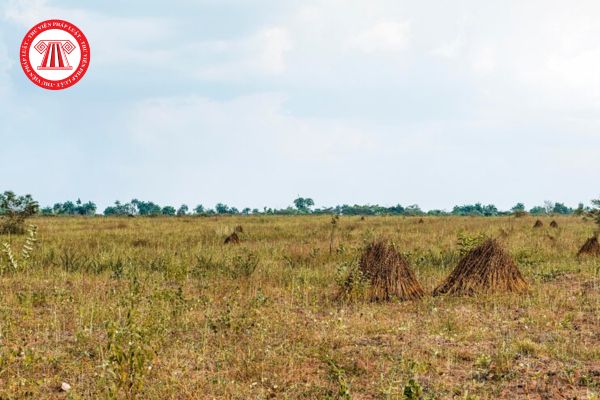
point(232, 239)
point(389, 274)
point(590, 248)
point(538, 224)
point(485, 269)
point(421, 221)
point(553, 224)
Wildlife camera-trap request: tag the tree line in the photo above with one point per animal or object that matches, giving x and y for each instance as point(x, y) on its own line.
point(15, 209)
point(302, 205)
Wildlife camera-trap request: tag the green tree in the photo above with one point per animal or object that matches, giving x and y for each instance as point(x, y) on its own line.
point(120, 209)
point(303, 205)
point(580, 210)
point(518, 208)
point(146, 207)
point(560, 208)
point(199, 209)
point(15, 210)
point(596, 211)
point(538, 210)
point(221, 208)
point(168, 210)
point(183, 210)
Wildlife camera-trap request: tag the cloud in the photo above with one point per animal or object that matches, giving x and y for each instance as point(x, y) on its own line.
point(191, 125)
point(114, 40)
point(262, 54)
point(385, 36)
point(6, 64)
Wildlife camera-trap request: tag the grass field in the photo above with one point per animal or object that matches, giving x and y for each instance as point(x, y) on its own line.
point(159, 308)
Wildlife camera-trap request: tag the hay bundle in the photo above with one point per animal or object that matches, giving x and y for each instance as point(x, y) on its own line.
point(538, 224)
point(590, 248)
point(553, 224)
point(232, 239)
point(421, 221)
point(485, 269)
point(389, 274)
point(239, 229)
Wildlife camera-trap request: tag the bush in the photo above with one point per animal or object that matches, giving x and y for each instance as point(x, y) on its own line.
point(14, 211)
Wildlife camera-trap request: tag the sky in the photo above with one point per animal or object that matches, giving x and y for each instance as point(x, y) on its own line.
point(254, 102)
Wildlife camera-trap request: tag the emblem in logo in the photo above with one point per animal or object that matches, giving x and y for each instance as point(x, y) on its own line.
point(55, 54)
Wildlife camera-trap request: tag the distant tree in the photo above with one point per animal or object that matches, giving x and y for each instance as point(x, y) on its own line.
point(560, 208)
point(255, 211)
point(538, 210)
point(77, 208)
point(14, 211)
point(68, 208)
point(580, 210)
point(303, 205)
point(413, 210)
point(120, 209)
point(518, 208)
point(146, 207)
point(548, 206)
point(437, 212)
point(88, 208)
point(221, 208)
point(46, 211)
point(596, 211)
point(199, 209)
point(246, 211)
point(397, 209)
point(183, 210)
point(168, 210)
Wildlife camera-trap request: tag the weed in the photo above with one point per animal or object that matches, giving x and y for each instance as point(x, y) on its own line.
point(337, 374)
point(26, 251)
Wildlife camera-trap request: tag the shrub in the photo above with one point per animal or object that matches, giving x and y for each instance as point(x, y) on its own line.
point(14, 211)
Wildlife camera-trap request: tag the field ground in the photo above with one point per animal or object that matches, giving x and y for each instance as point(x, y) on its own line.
point(159, 308)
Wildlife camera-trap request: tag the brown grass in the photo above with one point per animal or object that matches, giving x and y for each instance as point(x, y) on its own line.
point(389, 274)
point(485, 269)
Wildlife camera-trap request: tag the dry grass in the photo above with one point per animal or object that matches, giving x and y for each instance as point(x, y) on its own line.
point(485, 269)
point(160, 309)
point(388, 274)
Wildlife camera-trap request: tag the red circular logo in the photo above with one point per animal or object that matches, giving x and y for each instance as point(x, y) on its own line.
point(55, 54)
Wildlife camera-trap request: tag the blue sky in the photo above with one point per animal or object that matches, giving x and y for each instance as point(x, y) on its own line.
point(254, 102)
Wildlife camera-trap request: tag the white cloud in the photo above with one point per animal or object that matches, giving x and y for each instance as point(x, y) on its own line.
point(484, 61)
point(247, 123)
point(6, 63)
point(262, 54)
point(114, 40)
point(385, 36)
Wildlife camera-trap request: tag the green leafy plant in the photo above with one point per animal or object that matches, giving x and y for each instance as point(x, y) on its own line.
point(128, 352)
point(412, 390)
point(467, 242)
point(352, 284)
point(338, 375)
